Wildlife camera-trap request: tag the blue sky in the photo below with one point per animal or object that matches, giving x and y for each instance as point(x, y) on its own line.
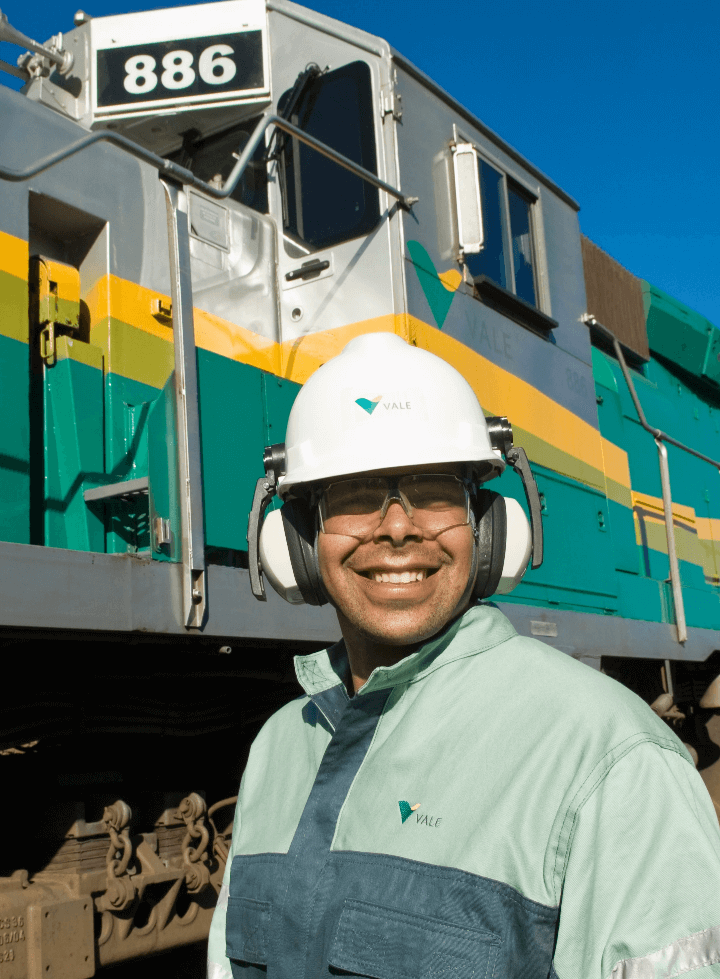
point(617, 100)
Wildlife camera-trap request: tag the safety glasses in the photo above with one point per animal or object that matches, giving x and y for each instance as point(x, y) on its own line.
point(356, 507)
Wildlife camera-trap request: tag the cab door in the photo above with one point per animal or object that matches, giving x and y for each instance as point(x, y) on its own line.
point(336, 230)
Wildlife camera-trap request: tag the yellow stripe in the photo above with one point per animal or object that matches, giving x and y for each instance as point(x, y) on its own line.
point(555, 436)
point(501, 392)
point(708, 528)
point(576, 448)
point(14, 255)
point(683, 514)
point(617, 467)
point(693, 535)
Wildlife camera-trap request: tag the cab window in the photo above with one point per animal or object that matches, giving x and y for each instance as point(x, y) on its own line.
point(211, 159)
point(324, 204)
point(507, 257)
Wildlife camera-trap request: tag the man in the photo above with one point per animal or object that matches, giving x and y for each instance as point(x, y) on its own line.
point(448, 799)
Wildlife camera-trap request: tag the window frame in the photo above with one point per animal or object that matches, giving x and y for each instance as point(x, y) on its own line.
point(294, 244)
point(531, 194)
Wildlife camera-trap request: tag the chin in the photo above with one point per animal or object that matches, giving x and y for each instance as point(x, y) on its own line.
point(403, 628)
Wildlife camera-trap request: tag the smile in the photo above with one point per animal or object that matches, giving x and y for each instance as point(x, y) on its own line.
point(399, 577)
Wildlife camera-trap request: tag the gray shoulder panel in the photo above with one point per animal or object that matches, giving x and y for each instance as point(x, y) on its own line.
point(684, 955)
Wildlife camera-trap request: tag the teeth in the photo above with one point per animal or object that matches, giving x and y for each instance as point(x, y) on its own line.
point(393, 578)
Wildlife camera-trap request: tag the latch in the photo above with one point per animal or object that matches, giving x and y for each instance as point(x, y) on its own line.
point(58, 302)
point(161, 309)
point(392, 105)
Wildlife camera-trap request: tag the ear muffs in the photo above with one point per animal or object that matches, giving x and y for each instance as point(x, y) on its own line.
point(300, 523)
point(490, 534)
point(503, 544)
point(288, 554)
point(518, 547)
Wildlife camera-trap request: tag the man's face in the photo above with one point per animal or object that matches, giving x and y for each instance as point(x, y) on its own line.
point(396, 612)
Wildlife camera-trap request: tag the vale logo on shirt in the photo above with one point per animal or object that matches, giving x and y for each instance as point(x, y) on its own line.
point(423, 819)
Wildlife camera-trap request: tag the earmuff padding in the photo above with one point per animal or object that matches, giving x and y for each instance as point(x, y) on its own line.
point(490, 547)
point(275, 558)
point(518, 547)
point(300, 531)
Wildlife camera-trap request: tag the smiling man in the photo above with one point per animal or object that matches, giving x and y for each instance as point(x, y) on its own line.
point(447, 798)
point(395, 555)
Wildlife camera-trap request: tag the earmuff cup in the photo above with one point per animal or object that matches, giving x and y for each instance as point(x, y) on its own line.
point(491, 520)
point(299, 523)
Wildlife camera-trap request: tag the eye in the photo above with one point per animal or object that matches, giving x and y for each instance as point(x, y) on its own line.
point(353, 497)
point(434, 493)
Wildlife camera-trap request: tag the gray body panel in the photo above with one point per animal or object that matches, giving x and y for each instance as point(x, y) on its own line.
point(52, 588)
point(424, 133)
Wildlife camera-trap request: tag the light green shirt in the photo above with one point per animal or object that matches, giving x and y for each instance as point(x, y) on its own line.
point(488, 804)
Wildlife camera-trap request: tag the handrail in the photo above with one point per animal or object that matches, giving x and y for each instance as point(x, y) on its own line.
point(173, 170)
point(660, 437)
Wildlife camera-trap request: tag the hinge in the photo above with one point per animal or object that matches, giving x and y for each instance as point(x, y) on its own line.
point(392, 105)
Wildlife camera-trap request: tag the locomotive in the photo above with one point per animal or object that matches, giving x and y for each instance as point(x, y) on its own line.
point(200, 206)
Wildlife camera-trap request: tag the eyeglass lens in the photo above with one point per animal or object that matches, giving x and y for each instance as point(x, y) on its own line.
point(358, 506)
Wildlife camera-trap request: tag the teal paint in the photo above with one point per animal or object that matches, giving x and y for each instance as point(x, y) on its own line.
point(578, 569)
point(127, 408)
point(439, 298)
point(622, 533)
point(73, 449)
point(163, 480)
point(242, 409)
point(231, 429)
point(14, 442)
point(278, 398)
point(686, 407)
point(681, 335)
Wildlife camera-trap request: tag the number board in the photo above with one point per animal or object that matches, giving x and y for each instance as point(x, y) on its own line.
point(221, 65)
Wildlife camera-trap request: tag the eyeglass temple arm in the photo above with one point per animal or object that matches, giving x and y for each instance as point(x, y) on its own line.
point(265, 489)
point(501, 437)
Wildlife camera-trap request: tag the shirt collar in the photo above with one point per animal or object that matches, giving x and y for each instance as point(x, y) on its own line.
point(480, 628)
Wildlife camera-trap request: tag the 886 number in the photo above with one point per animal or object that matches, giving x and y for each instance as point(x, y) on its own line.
point(214, 68)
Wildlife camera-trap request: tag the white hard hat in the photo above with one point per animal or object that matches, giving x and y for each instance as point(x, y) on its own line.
point(383, 404)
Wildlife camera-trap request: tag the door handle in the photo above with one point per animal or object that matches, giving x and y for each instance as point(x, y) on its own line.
point(307, 269)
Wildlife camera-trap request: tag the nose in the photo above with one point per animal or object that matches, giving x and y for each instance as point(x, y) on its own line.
point(396, 526)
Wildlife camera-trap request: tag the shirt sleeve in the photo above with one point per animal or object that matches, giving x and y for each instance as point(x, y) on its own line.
point(218, 964)
point(641, 886)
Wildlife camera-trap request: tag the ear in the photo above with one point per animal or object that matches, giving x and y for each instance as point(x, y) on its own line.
point(518, 547)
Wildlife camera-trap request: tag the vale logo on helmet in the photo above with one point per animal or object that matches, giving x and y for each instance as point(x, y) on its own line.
point(390, 403)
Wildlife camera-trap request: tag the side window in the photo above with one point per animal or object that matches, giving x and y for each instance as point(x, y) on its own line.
point(507, 256)
point(522, 247)
point(324, 204)
point(211, 159)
